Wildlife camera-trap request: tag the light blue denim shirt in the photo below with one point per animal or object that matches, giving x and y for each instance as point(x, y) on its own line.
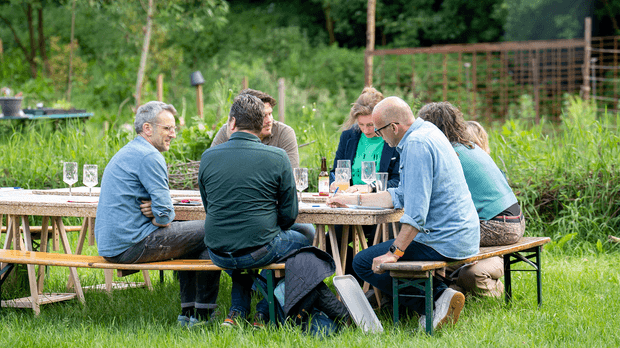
point(434, 194)
point(136, 172)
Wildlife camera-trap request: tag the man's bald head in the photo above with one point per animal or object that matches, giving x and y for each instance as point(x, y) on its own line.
point(393, 109)
point(392, 118)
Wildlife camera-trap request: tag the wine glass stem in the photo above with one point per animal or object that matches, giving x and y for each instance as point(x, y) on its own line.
point(69, 190)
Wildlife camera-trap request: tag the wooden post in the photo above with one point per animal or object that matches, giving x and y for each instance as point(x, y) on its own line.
point(281, 100)
point(370, 42)
point(160, 87)
point(585, 88)
point(535, 68)
point(71, 52)
point(199, 103)
point(1, 52)
point(244, 83)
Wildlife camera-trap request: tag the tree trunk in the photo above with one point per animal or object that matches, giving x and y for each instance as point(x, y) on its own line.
point(71, 53)
point(46, 62)
point(145, 52)
point(33, 47)
point(329, 24)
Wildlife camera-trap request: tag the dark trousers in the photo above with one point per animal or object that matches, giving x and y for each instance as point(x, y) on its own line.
point(180, 240)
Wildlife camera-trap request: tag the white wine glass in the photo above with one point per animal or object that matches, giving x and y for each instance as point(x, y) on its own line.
point(89, 177)
point(70, 174)
point(368, 172)
point(301, 180)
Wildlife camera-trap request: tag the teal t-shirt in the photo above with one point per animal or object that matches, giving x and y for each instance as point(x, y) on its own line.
point(368, 149)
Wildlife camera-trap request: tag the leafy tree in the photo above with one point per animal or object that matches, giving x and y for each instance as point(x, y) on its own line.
point(10, 13)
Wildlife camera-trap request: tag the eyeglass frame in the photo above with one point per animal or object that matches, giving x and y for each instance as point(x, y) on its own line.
point(168, 128)
point(378, 131)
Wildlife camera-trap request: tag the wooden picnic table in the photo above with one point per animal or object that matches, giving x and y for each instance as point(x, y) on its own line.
point(18, 207)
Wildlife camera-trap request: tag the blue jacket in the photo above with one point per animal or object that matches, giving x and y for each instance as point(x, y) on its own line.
point(390, 158)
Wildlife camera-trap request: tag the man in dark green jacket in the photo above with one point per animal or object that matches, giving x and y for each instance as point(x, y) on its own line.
point(248, 192)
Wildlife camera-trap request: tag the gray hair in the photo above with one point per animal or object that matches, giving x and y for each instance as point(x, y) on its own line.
point(149, 112)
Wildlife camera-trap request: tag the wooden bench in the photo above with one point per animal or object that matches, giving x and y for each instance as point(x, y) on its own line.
point(12, 257)
point(419, 274)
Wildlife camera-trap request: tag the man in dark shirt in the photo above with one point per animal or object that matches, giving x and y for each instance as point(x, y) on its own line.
point(248, 192)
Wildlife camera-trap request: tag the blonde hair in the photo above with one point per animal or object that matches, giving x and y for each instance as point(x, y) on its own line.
point(363, 106)
point(479, 135)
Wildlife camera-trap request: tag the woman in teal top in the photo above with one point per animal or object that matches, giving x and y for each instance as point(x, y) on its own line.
point(501, 219)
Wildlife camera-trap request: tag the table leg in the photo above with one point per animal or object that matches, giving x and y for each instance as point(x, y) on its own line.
point(91, 231)
point(67, 247)
point(32, 276)
point(43, 248)
point(335, 254)
point(344, 241)
point(82, 237)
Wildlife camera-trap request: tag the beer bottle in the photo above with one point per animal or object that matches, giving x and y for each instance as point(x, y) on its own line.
point(323, 179)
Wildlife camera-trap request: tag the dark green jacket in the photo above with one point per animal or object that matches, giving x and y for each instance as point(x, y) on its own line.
point(248, 192)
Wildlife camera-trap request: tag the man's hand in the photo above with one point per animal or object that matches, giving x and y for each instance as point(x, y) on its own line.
point(145, 207)
point(338, 201)
point(159, 225)
point(377, 261)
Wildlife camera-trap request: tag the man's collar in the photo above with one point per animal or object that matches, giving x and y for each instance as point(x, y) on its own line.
point(244, 136)
point(416, 124)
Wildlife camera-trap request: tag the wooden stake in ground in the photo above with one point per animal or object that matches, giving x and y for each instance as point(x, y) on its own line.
point(197, 80)
point(160, 87)
point(71, 52)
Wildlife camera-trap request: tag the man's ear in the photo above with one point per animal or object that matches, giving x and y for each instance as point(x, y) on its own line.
point(232, 124)
point(147, 129)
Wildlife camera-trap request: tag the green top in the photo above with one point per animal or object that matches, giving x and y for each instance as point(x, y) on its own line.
point(488, 186)
point(248, 192)
point(368, 149)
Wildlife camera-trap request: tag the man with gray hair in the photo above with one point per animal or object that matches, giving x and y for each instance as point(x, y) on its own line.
point(135, 213)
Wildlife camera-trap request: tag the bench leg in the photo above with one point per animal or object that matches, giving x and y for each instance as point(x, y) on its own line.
point(428, 298)
point(535, 253)
point(538, 276)
point(507, 279)
point(269, 292)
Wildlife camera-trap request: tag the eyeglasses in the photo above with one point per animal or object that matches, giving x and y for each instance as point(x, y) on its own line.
point(378, 131)
point(168, 128)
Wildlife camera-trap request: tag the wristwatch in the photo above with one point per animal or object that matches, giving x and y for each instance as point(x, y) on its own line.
point(373, 187)
point(396, 251)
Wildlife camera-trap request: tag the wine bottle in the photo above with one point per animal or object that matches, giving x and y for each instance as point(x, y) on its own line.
point(323, 179)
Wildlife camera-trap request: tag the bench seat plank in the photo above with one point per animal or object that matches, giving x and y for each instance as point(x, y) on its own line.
point(485, 252)
point(86, 261)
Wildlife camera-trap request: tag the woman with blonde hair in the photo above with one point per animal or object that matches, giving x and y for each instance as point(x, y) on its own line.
point(358, 142)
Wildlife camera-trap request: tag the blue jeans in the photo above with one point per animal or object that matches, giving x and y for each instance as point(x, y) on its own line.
point(362, 264)
point(307, 230)
point(241, 296)
point(180, 240)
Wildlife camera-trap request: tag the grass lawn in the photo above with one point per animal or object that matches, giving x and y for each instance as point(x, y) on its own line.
point(580, 309)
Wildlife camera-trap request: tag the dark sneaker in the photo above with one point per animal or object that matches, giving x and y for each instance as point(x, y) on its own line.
point(260, 319)
point(232, 319)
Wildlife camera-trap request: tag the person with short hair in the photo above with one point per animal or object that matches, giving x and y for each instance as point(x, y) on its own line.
point(501, 219)
point(439, 221)
point(135, 214)
point(248, 192)
point(273, 133)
